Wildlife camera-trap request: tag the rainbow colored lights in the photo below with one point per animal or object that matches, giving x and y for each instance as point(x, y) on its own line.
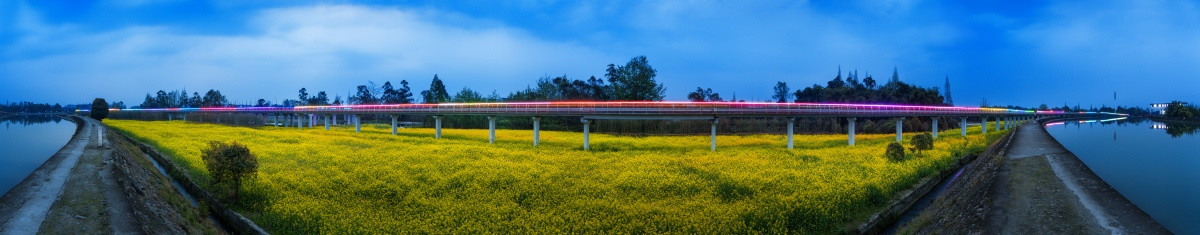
point(628, 107)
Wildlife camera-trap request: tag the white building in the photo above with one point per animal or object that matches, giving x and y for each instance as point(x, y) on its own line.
point(1161, 107)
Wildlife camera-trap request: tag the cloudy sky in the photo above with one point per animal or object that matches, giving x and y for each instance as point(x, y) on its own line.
point(1007, 52)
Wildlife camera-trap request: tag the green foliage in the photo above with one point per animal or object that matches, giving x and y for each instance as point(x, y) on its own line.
point(1179, 109)
point(229, 164)
point(634, 80)
point(781, 92)
point(563, 88)
point(895, 91)
point(436, 93)
point(702, 94)
point(895, 152)
point(923, 141)
point(99, 109)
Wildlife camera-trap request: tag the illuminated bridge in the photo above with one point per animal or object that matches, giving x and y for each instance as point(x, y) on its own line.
point(638, 110)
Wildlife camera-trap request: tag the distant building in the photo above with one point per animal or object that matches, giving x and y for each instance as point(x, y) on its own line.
point(1161, 107)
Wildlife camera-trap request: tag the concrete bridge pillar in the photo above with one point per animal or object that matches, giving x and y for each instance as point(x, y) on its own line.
point(327, 122)
point(983, 124)
point(537, 129)
point(299, 123)
point(491, 129)
point(437, 126)
point(963, 126)
point(851, 128)
point(998, 123)
point(311, 119)
point(900, 130)
point(935, 127)
point(357, 123)
point(791, 123)
point(712, 145)
point(393, 124)
point(585, 132)
point(334, 119)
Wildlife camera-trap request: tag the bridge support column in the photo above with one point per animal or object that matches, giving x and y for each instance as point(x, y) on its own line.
point(311, 119)
point(935, 127)
point(998, 123)
point(299, 122)
point(851, 128)
point(491, 129)
point(983, 124)
point(393, 124)
point(357, 123)
point(326, 122)
point(537, 129)
point(712, 143)
point(900, 130)
point(335, 123)
point(791, 123)
point(963, 126)
point(169, 118)
point(437, 126)
point(585, 132)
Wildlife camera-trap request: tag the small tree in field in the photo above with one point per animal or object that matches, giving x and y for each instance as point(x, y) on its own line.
point(895, 152)
point(229, 164)
point(923, 141)
point(99, 109)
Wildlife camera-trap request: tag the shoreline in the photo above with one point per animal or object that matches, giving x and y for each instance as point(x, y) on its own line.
point(27, 204)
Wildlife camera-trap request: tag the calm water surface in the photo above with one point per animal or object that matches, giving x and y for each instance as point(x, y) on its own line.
point(1154, 165)
point(26, 142)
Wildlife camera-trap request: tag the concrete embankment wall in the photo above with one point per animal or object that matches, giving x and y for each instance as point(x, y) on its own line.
point(901, 203)
point(233, 221)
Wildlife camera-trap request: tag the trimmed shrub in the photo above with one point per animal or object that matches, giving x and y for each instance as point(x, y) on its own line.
point(99, 109)
point(922, 142)
point(895, 152)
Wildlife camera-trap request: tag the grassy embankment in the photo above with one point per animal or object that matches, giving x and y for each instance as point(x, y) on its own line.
point(312, 180)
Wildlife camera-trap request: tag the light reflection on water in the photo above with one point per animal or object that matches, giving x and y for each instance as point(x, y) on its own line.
point(1152, 164)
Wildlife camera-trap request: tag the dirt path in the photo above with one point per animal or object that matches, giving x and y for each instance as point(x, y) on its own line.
point(1034, 187)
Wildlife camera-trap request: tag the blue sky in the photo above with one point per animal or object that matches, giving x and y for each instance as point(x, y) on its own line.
point(1007, 52)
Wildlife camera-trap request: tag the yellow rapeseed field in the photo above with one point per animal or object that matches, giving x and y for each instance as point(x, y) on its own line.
point(339, 181)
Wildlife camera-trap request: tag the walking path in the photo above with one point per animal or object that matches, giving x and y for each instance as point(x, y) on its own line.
point(1035, 186)
point(76, 185)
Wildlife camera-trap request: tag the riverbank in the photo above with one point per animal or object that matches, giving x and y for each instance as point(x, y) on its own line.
point(93, 185)
point(1034, 186)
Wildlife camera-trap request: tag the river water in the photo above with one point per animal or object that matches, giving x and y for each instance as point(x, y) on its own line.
point(1154, 165)
point(26, 142)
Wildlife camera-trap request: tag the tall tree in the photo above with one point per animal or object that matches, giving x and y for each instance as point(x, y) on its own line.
point(436, 93)
point(781, 92)
point(404, 94)
point(364, 96)
point(213, 98)
point(320, 99)
point(949, 98)
point(389, 94)
point(895, 74)
point(634, 80)
point(303, 95)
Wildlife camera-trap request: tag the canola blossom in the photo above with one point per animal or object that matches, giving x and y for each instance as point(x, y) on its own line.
point(316, 181)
